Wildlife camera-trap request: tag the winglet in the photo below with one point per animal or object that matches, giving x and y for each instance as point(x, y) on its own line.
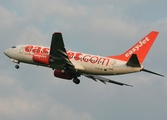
point(57, 43)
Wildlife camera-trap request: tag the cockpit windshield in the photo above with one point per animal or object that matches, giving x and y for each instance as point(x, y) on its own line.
point(13, 46)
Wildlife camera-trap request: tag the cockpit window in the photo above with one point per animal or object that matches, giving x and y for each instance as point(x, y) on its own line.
point(14, 47)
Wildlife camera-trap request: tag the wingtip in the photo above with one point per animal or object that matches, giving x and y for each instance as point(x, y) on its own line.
point(128, 85)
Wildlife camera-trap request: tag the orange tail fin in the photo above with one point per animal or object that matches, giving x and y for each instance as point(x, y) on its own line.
point(140, 49)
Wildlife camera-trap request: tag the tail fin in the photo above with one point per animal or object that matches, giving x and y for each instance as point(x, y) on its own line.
point(141, 48)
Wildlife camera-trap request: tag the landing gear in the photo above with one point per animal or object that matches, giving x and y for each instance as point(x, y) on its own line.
point(76, 81)
point(74, 76)
point(17, 66)
point(17, 63)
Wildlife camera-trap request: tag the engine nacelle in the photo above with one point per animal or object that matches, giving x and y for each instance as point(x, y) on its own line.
point(41, 58)
point(59, 74)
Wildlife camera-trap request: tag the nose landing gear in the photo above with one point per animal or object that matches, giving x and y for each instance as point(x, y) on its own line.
point(17, 63)
point(17, 66)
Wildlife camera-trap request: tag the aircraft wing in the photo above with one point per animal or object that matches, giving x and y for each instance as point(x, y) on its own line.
point(104, 80)
point(59, 57)
point(58, 52)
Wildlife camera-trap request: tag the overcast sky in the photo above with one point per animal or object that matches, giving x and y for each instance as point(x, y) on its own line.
point(100, 27)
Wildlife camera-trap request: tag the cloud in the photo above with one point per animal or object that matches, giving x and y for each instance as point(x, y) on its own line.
point(22, 104)
point(33, 36)
point(97, 27)
point(7, 18)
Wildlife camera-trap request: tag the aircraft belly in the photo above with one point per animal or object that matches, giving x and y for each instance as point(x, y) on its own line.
point(124, 70)
point(105, 70)
point(95, 69)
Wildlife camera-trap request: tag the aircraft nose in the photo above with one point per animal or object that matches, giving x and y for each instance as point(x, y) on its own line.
point(6, 52)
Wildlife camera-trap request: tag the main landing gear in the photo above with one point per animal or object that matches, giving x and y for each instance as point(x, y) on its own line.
point(74, 76)
point(76, 81)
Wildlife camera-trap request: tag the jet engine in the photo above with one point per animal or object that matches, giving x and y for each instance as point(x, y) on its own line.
point(41, 58)
point(66, 75)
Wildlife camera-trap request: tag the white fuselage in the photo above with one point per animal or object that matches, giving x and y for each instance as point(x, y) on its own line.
point(85, 63)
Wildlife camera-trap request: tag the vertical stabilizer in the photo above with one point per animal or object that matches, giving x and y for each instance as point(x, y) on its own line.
point(141, 48)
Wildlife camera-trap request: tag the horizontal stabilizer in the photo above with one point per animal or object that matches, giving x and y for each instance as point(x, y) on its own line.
point(152, 72)
point(133, 61)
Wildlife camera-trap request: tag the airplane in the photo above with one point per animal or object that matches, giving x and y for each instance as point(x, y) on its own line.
point(70, 65)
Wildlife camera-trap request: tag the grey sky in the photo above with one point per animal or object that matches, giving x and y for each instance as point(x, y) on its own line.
point(101, 27)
